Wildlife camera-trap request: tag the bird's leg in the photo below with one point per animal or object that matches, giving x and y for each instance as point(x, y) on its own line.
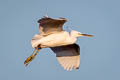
point(29, 59)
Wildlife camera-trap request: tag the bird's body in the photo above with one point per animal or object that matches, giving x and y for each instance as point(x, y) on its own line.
point(61, 42)
point(55, 39)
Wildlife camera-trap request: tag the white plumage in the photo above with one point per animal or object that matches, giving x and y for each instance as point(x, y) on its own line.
point(61, 42)
point(56, 39)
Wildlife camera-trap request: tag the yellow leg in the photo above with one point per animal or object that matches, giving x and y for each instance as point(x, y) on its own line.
point(29, 59)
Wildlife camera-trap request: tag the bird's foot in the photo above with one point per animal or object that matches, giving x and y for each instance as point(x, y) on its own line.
point(28, 60)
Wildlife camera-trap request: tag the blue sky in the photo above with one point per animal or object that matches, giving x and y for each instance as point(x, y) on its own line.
point(99, 55)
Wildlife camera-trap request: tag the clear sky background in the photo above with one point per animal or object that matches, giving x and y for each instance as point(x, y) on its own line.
point(100, 55)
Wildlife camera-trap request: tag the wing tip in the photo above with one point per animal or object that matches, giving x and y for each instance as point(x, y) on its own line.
point(77, 67)
point(47, 17)
point(44, 18)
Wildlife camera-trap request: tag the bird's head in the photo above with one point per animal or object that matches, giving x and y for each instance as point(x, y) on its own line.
point(79, 34)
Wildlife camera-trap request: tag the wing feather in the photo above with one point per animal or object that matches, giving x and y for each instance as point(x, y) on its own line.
point(68, 56)
point(49, 25)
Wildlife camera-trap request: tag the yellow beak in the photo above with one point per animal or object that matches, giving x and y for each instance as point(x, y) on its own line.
point(86, 35)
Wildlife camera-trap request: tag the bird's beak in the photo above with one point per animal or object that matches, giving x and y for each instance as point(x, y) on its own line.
point(85, 35)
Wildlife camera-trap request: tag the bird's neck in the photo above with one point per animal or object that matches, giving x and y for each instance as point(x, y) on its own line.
point(72, 38)
point(72, 35)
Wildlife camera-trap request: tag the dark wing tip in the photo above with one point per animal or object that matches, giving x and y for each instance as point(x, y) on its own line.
point(77, 67)
point(48, 18)
point(42, 19)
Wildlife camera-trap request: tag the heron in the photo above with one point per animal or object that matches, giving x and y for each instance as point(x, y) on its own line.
point(61, 42)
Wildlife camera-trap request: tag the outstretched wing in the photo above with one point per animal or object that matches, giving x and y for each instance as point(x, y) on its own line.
point(68, 56)
point(49, 25)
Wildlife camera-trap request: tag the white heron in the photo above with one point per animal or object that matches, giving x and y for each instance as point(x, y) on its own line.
point(61, 42)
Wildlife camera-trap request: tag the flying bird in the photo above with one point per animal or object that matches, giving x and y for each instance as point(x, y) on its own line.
point(61, 42)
